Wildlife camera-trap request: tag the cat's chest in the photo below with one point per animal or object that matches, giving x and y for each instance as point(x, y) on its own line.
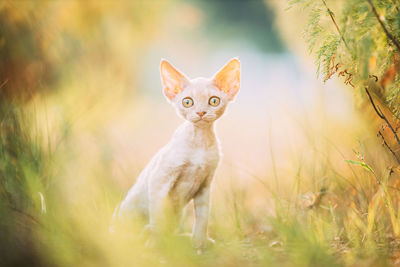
point(195, 155)
point(197, 166)
point(198, 162)
point(202, 158)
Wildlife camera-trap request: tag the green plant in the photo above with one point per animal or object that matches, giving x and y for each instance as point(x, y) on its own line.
point(360, 41)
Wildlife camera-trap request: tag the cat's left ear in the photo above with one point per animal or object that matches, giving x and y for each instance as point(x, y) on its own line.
point(228, 78)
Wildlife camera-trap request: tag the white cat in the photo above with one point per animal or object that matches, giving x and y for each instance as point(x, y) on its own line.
point(183, 169)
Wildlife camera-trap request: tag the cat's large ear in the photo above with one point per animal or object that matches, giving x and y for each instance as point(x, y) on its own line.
point(228, 78)
point(173, 81)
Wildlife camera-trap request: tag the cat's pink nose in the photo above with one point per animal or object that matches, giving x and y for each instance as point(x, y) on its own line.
point(201, 114)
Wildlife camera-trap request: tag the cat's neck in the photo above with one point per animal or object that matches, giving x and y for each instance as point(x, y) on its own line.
point(197, 135)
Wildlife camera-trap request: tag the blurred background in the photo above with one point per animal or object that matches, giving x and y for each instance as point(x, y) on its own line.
point(82, 112)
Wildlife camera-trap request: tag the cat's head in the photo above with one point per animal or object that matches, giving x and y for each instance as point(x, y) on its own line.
point(201, 101)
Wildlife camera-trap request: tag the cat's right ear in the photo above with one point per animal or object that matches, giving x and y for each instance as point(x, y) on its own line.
point(173, 81)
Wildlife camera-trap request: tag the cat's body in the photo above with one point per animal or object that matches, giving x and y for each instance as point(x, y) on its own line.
point(184, 168)
point(180, 169)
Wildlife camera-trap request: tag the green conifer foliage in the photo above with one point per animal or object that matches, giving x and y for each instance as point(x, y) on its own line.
point(358, 40)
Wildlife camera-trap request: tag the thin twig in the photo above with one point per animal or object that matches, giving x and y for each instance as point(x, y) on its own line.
point(3, 83)
point(388, 34)
point(373, 104)
point(382, 116)
point(27, 215)
point(336, 25)
point(388, 147)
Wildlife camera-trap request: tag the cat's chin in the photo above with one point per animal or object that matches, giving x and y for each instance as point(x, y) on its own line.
point(201, 122)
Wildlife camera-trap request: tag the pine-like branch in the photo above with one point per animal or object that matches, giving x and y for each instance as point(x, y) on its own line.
point(395, 4)
point(388, 34)
point(334, 22)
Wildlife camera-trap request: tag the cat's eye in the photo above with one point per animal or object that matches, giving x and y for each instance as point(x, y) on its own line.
point(214, 101)
point(187, 102)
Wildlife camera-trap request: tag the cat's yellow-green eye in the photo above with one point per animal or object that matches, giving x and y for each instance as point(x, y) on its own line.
point(214, 101)
point(187, 102)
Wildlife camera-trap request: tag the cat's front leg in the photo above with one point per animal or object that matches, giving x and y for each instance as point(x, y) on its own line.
point(157, 218)
point(201, 206)
point(160, 206)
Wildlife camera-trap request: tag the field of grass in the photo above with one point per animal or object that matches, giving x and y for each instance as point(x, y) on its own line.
point(314, 202)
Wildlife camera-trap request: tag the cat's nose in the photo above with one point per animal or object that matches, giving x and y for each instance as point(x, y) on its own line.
point(201, 114)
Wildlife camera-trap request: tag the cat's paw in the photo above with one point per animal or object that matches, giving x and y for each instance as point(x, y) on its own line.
point(201, 246)
point(149, 235)
point(209, 243)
